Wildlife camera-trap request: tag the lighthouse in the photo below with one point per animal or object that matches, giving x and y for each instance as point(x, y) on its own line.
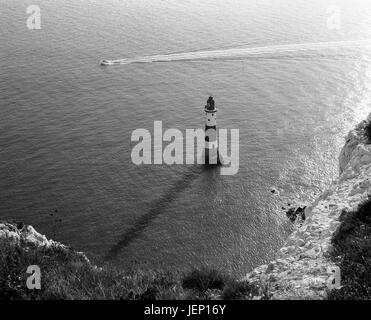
point(211, 141)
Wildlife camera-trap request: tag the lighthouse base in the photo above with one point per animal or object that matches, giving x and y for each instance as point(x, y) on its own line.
point(212, 157)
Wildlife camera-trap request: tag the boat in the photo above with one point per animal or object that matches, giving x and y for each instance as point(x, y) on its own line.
point(105, 63)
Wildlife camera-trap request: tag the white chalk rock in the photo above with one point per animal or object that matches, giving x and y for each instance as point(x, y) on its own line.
point(298, 273)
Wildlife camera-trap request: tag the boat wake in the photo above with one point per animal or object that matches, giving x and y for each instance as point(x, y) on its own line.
point(235, 53)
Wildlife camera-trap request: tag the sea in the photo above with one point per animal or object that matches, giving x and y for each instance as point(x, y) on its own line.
point(293, 76)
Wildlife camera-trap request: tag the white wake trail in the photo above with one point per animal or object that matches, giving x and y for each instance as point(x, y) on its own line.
point(243, 52)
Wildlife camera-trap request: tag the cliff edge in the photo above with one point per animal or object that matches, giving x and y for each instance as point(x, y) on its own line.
point(303, 268)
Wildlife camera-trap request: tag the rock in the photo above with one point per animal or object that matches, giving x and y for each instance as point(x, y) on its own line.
point(312, 253)
point(308, 245)
point(275, 191)
point(9, 232)
point(282, 261)
point(25, 235)
point(334, 226)
point(270, 268)
point(30, 235)
point(291, 214)
point(296, 213)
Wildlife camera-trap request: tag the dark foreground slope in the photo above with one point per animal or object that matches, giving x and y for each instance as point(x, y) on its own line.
point(67, 274)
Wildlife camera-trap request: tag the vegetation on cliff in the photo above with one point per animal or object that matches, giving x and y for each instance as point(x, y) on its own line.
point(67, 274)
point(352, 252)
point(368, 131)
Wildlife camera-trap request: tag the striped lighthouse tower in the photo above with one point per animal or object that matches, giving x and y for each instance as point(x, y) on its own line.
point(211, 141)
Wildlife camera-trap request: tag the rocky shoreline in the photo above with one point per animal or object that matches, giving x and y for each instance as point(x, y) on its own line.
point(303, 268)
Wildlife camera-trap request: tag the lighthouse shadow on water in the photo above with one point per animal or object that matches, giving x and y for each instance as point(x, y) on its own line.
point(205, 174)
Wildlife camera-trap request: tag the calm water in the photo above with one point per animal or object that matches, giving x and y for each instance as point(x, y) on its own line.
point(66, 122)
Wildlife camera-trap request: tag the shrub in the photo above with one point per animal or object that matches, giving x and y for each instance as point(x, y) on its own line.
point(239, 290)
point(368, 131)
point(203, 279)
point(67, 275)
